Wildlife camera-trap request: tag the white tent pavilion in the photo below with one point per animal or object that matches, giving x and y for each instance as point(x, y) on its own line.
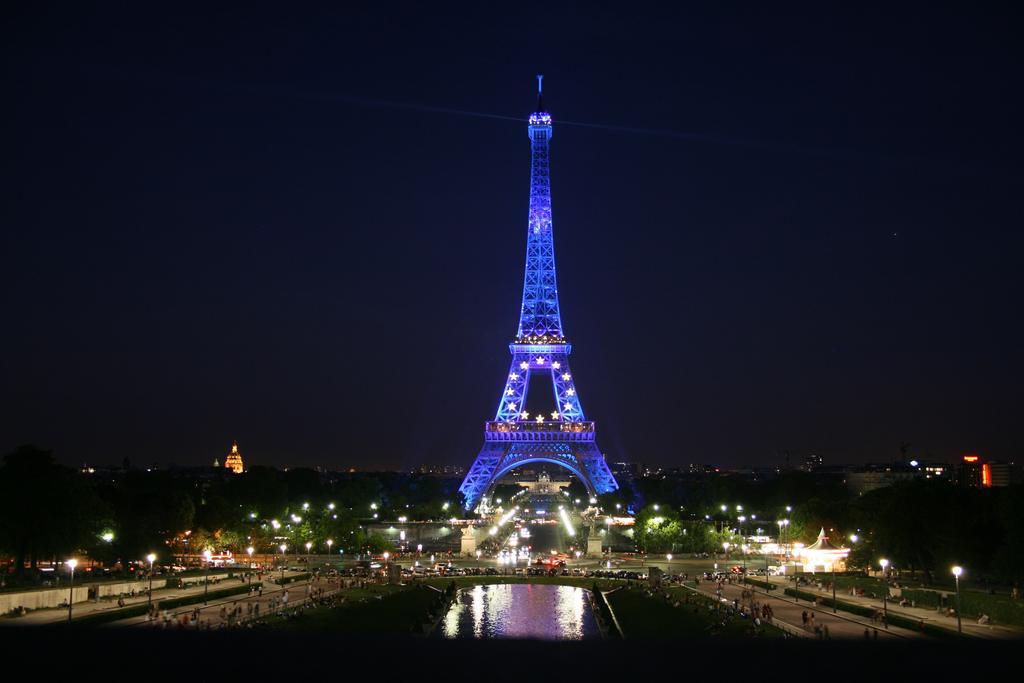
point(822, 556)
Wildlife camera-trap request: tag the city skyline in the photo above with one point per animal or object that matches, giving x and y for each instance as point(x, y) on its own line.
point(313, 246)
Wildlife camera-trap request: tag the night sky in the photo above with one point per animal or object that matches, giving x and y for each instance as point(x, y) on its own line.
point(778, 230)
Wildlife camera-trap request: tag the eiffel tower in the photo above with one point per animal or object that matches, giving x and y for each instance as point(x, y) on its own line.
point(563, 437)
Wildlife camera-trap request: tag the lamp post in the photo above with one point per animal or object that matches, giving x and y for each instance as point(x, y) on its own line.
point(329, 544)
point(206, 591)
point(72, 563)
point(885, 593)
point(668, 558)
point(308, 546)
point(957, 571)
point(744, 547)
point(152, 558)
point(284, 561)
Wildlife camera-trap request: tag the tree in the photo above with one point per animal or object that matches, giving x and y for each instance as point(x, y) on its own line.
point(46, 510)
point(657, 530)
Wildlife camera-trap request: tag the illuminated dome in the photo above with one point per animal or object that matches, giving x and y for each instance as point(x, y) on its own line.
point(234, 460)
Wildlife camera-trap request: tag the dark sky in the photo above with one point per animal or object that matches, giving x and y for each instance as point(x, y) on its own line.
point(790, 230)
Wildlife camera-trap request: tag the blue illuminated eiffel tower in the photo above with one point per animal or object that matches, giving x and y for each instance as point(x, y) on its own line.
point(563, 437)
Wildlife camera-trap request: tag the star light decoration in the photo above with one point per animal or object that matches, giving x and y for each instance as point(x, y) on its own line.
point(556, 365)
point(567, 377)
point(524, 365)
point(554, 415)
point(567, 407)
point(540, 419)
point(540, 360)
point(570, 392)
point(525, 415)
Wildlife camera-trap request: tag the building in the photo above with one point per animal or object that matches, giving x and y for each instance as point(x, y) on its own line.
point(234, 460)
point(998, 474)
point(866, 478)
point(973, 472)
point(442, 470)
point(812, 463)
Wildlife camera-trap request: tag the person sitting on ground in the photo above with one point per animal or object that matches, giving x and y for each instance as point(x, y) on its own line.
point(983, 620)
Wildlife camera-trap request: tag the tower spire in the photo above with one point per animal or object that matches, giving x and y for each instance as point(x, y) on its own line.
point(562, 436)
point(539, 317)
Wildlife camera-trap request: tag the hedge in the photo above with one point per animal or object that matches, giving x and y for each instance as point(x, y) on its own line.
point(290, 579)
point(201, 597)
point(866, 611)
point(762, 584)
point(1001, 609)
point(108, 616)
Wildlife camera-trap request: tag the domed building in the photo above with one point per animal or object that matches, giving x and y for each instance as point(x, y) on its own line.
point(234, 460)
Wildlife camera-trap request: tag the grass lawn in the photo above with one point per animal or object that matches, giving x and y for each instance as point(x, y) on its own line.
point(394, 610)
point(1000, 607)
point(371, 611)
point(645, 617)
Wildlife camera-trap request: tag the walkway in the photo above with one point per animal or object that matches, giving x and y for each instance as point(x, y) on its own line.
point(212, 616)
point(840, 626)
point(56, 615)
point(928, 616)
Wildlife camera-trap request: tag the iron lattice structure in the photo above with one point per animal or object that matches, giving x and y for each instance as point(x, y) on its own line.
point(564, 437)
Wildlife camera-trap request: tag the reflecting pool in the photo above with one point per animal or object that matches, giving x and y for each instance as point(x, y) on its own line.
point(520, 611)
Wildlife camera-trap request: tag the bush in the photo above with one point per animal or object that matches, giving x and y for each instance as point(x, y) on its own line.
point(108, 616)
point(762, 584)
point(200, 597)
point(290, 579)
point(865, 611)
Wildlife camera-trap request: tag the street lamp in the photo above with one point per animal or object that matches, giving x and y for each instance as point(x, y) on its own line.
point(885, 593)
point(206, 592)
point(308, 546)
point(957, 571)
point(668, 558)
point(152, 558)
point(284, 561)
point(72, 563)
point(329, 544)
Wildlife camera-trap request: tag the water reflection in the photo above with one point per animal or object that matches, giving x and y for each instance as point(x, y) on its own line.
point(520, 611)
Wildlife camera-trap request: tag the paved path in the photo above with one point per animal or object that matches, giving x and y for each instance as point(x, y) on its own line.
point(840, 626)
point(212, 616)
point(928, 616)
point(58, 614)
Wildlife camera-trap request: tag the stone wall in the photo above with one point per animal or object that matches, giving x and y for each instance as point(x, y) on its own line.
point(53, 597)
point(41, 599)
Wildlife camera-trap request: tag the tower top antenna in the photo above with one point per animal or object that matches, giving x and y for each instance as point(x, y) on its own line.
point(540, 83)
